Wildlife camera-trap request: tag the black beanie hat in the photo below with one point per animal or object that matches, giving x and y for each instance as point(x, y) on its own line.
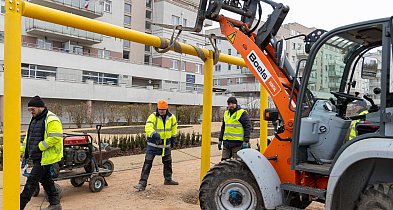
point(36, 101)
point(232, 100)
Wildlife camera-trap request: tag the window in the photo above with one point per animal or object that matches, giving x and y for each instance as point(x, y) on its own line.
point(148, 14)
point(229, 67)
point(229, 81)
point(175, 64)
point(127, 20)
point(229, 51)
point(147, 59)
point(127, 8)
point(238, 67)
point(126, 44)
point(175, 20)
point(77, 49)
point(183, 66)
point(184, 22)
point(100, 78)
point(147, 48)
point(148, 25)
point(239, 80)
point(126, 54)
point(2, 3)
point(293, 46)
point(148, 4)
point(102, 53)
point(216, 82)
point(107, 6)
point(38, 71)
point(217, 67)
point(1, 36)
point(198, 68)
point(44, 44)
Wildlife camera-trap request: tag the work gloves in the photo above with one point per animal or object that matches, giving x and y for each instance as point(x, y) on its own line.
point(246, 145)
point(156, 137)
point(219, 145)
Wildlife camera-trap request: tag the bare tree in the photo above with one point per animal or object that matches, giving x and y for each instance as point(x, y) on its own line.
point(55, 108)
point(77, 113)
point(113, 112)
point(130, 113)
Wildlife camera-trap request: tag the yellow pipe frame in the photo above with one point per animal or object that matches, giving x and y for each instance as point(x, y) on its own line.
point(207, 115)
point(12, 80)
point(63, 18)
point(12, 104)
point(262, 122)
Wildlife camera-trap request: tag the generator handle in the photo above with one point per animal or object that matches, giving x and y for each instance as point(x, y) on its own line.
point(98, 127)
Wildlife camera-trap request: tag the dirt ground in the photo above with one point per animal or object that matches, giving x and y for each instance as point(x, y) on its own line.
point(119, 194)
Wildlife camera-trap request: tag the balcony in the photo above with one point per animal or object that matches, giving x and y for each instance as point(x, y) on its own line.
point(301, 54)
point(52, 30)
point(245, 71)
point(93, 9)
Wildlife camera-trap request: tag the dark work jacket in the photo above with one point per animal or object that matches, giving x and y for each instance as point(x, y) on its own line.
point(155, 150)
point(245, 121)
point(35, 134)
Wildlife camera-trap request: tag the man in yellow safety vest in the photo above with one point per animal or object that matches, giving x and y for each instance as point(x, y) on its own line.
point(161, 129)
point(235, 130)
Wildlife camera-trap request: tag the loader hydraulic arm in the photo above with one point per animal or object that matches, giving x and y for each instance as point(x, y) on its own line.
point(259, 50)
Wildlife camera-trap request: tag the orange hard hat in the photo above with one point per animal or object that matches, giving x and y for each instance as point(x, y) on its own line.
point(162, 104)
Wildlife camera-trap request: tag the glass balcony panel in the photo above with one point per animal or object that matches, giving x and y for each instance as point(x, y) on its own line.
point(32, 24)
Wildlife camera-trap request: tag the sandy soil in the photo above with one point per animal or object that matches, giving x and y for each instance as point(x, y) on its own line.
point(119, 194)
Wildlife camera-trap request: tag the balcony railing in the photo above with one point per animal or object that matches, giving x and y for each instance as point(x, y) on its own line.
point(88, 8)
point(48, 29)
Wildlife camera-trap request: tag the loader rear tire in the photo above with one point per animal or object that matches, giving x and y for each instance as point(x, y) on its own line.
point(230, 185)
point(377, 196)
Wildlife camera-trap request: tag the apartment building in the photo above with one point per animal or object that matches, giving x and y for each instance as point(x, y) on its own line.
point(68, 65)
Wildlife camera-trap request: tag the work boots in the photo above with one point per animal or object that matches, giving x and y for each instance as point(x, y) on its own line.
point(53, 207)
point(171, 182)
point(139, 187)
point(167, 161)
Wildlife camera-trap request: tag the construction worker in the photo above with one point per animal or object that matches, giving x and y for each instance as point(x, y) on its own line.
point(161, 129)
point(235, 130)
point(43, 145)
point(361, 109)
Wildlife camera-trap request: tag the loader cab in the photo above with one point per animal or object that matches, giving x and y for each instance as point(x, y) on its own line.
point(337, 77)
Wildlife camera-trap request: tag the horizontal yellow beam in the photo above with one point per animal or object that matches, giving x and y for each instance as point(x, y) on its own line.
point(63, 18)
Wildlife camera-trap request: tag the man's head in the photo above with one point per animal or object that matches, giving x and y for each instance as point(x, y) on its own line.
point(232, 103)
point(36, 106)
point(162, 106)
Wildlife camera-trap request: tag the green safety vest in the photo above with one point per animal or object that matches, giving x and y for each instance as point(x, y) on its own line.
point(353, 133)
point(154, 124)
point(52, 145)
point(233, 128)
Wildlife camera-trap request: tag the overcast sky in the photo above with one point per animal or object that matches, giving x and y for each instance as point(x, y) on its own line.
point(329, 14)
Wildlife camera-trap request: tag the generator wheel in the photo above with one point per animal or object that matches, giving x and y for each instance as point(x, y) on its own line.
point(108, 164)
point(59, 190)
point(37, 190)
point(230, 185)
point(97, 183)
point(77, 182)
point(378, 196)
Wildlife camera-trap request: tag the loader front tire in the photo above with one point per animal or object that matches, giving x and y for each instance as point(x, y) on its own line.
point(377, 196)
point(230, 185)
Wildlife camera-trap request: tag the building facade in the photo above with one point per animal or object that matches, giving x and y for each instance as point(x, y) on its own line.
point(68, 65)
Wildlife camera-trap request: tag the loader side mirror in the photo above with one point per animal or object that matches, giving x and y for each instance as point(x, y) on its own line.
point(281, 52)
point(369, 68)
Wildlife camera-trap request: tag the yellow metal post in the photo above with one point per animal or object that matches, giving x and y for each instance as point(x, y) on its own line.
point(263, 123)
point(207, 114)
point(12, 98)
